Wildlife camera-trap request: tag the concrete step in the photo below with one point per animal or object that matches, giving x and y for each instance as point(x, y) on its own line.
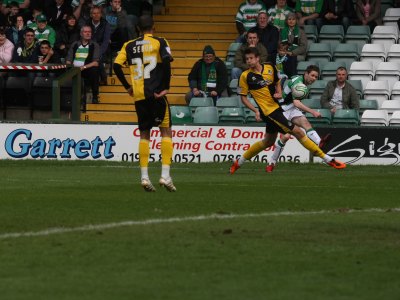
point(118, 117)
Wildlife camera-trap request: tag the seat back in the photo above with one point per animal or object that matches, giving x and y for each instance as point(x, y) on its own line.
point(181, 114)
point(232, 115)
point(232, 101)
point(206, 115)
point(375, 118)
point(346, 117)
point(312, 103)
point(200, 102)
point(325, 119)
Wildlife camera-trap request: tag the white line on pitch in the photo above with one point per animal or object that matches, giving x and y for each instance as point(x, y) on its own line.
point(61, 230)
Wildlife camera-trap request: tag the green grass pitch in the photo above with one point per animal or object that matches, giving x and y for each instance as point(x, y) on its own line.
point(306, 231)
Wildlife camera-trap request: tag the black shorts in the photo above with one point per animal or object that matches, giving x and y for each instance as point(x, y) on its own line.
point(277, 122)
point(153, 112)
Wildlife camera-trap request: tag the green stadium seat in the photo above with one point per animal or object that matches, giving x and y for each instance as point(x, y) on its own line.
point(370, 104)
point(233, 101)
point(328, 71)
point(311, 33)
point(326, 117)
point(312, 103)
point(232, 115)
point(206, 115)
point(321, 52)
point(358, 34)
point(302, 65)
point(233, 84)
point(357, 84)
point(348, 52)
point(346, 117)
point(200, 102)
point(333, 34)
point(317, 88)
point(181, 114)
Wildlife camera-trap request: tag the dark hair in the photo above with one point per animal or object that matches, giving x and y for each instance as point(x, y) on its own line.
point(2, 30)
point(252, 30)
point(13, 19)
point(341, 69)
point(146, 23)
point(252, 50)
point(13, 4)
point(311, 68)
point(28, 29)
point(45, 42)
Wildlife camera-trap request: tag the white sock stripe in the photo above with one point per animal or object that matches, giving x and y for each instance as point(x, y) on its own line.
point(91, 227)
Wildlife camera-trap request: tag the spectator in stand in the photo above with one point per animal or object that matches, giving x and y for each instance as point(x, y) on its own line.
point(268, 35)
point(118, 20)
point(67, 34)
point(338, 13)
point(340, 94)
point(134, 9)
point(281, 58)
point(13, 10)
point(309, 12)
point(246, 17)
point(25, 50)
point(101, 34)
point(278, 14)
point(3, 13)
point(23, 4)
point(46, 55)
point(31, 18)
point(369, 12)
point(296, 39)
point(6, 47)
point(57, 13)
point(81, 9)
point(44, 31)
point(85, 54)
point(208, 77)
point(252, 41)
point(15, 33)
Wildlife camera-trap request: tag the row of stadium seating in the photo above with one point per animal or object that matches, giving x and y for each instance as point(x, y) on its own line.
point(212, 115)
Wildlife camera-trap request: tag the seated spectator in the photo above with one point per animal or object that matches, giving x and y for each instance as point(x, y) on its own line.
point(134, 9)
point(25, 50)
point(338, 13)
point(118, 20)
point(23, 4)
point(85, 54)
point(101, 35)
point(15, 33)
point(13, 8)
point(67, 34)
point(246, 17)
point(252, 41)
point(6, 47)
point(278, 13)
point(296, 39)
point(369, 13)
point(57, 12)
point(44, 31)
point(46, 55)
point(208, 77)
point(31, 18)
point(308, 12)
point(268, 35)
point(339, 94)
point(281, 58)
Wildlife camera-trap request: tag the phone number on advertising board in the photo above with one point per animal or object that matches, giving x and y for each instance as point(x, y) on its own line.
point(196, 158)
point(179, 158)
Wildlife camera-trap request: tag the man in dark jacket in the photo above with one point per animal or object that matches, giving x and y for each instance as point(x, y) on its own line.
point(25, 50)
point(101, 33)
point(268, 35)
point(85, 54)
point(208, 77)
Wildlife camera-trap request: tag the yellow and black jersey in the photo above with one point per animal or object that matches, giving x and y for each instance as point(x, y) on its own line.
point(261, 86)
point(144, 56)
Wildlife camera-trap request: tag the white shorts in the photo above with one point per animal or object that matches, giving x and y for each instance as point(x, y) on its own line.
point(293, 112)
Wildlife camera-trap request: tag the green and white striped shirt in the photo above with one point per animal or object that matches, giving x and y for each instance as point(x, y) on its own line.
point(247, 14)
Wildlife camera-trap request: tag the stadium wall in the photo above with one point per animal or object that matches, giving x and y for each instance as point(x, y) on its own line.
point(356, 145)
